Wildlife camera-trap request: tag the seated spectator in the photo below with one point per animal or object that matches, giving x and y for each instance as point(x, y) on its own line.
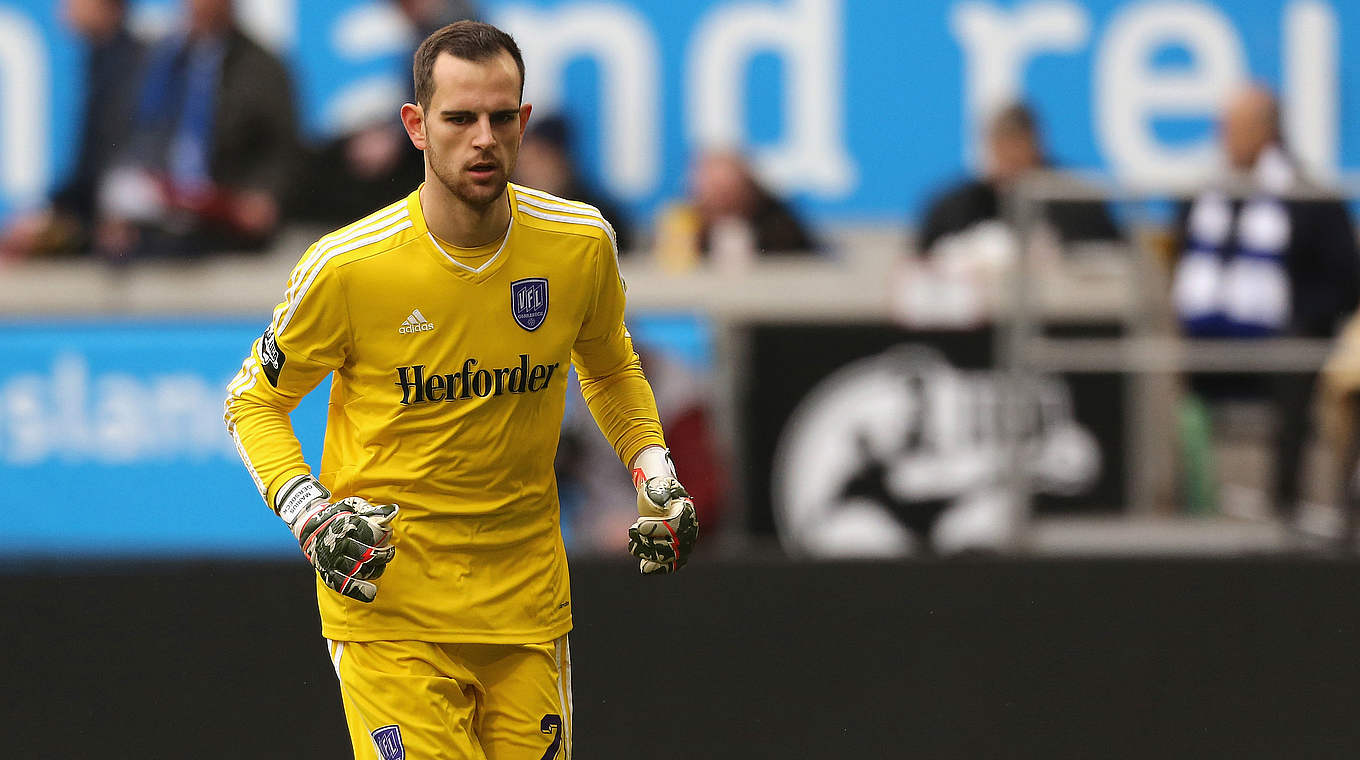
point(373, 162)
point(1013, 148)
point(110, 81)
point(729, 217)
point(545, 163)
point(214, 146)
point(1261, 265)
point(429, 16)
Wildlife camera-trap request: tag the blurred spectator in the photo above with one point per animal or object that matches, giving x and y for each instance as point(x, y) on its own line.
point(111, 74)
point(545, 163)
point(373, 163)
point(1264, 264)
point(729, 217)
point(596, 494)
point(428, 16)
point(214, 147)
point(1014, 147)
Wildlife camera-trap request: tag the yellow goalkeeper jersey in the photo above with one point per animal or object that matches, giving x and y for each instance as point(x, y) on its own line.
point(447, 396)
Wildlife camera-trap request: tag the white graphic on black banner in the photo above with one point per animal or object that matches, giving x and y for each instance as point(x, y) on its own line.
point(902, 452)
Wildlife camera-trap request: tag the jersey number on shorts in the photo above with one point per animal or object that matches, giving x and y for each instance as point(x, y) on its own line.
point(552, 724)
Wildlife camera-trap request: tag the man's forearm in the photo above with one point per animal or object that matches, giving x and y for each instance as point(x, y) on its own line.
point(625, 410)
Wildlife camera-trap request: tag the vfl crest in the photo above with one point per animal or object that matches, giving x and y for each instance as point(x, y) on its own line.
point(388, 741)
point(529, 302)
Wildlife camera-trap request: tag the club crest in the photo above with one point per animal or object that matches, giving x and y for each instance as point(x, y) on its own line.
point(529, 302)
point(388, 742)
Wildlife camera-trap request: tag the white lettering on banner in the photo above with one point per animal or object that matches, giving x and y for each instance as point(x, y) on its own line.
point(997, 44)
point(71, 415)
point(371, 30)
point(621, 43)
point(1127, 93)
point(1310, 87)
point(24, 119)
point(272, 22)
point(808, 35)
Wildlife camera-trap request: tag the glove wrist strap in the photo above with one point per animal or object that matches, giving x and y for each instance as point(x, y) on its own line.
point(652, 462)
point(293, 501)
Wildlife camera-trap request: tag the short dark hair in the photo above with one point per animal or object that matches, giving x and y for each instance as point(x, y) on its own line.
point(1015, 118)
point(468, 40)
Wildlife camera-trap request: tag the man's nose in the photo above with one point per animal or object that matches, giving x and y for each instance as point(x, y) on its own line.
point(484, 137)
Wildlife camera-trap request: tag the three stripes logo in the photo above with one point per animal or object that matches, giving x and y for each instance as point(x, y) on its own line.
point(415, 323)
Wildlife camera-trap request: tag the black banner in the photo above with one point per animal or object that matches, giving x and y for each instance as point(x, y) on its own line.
point(843, 417)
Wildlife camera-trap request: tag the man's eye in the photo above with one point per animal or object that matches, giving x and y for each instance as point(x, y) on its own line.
point(459, 120)
point(504, 118)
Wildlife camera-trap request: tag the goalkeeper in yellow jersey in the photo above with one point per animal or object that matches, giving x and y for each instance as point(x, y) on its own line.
point(448, 321)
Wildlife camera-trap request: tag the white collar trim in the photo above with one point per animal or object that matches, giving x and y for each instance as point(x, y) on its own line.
point(485, 264)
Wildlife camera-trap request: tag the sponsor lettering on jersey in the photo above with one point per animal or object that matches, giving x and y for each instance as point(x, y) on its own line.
point(419, 386)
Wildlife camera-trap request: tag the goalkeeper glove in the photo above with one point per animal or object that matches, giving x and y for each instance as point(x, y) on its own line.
point(349, 542)
point(667, 529)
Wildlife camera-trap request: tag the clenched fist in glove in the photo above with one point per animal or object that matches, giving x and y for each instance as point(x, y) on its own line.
point(667, 529)
point(348, 542)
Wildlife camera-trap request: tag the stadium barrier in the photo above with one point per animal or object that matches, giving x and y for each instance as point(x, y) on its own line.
point(755, 659)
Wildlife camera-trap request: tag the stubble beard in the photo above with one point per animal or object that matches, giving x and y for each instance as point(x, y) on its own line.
point(473, 196)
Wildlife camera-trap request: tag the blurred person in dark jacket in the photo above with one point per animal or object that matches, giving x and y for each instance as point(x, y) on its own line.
point(1014, 147)
point(112, 66)
point(729, 217)
point(1263, 262)
point(372, 163)
point(214, 148)
point(546, 163)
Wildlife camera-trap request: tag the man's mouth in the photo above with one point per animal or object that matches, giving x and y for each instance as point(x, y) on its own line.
point(482, 169)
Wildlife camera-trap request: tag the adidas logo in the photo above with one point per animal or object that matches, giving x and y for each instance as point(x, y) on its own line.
point(415, 323)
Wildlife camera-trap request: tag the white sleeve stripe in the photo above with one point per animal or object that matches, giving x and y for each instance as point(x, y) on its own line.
point(311, 277)
point(245, 368)
point(588, 211)
point(598, 222)
point(327, 243)
point(373, 217)
point(522, 190)
point(241, 391)
point(254, 475)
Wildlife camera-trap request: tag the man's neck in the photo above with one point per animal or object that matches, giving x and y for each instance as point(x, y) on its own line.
point(454, 221)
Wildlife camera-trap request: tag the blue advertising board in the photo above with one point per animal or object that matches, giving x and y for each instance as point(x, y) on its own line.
point(857, 108)
point(112, 441)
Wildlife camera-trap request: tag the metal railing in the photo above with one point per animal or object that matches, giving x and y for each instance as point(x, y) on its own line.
point(1148, 346)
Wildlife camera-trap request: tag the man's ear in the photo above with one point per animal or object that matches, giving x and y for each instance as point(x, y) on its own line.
point(524, 111)
point(413, 118)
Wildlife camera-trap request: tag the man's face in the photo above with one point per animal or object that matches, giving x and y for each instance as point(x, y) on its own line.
point(206, 17)
point(473, 126)
point(91, 18)
point(1010, 153)
point(1245, 130)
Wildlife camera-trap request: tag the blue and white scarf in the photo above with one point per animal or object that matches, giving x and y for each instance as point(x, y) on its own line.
point(1232, 280)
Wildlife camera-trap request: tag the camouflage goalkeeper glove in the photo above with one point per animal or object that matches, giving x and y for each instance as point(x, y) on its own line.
point(348, 542)
point(667, 529)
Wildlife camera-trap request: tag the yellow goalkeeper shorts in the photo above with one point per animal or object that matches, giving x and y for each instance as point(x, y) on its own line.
point(413, 699)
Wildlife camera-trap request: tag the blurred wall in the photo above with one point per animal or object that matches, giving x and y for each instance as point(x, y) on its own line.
point(968, 659)
point(823, 92)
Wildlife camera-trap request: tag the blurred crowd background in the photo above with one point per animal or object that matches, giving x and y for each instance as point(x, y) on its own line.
point(907, 279)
